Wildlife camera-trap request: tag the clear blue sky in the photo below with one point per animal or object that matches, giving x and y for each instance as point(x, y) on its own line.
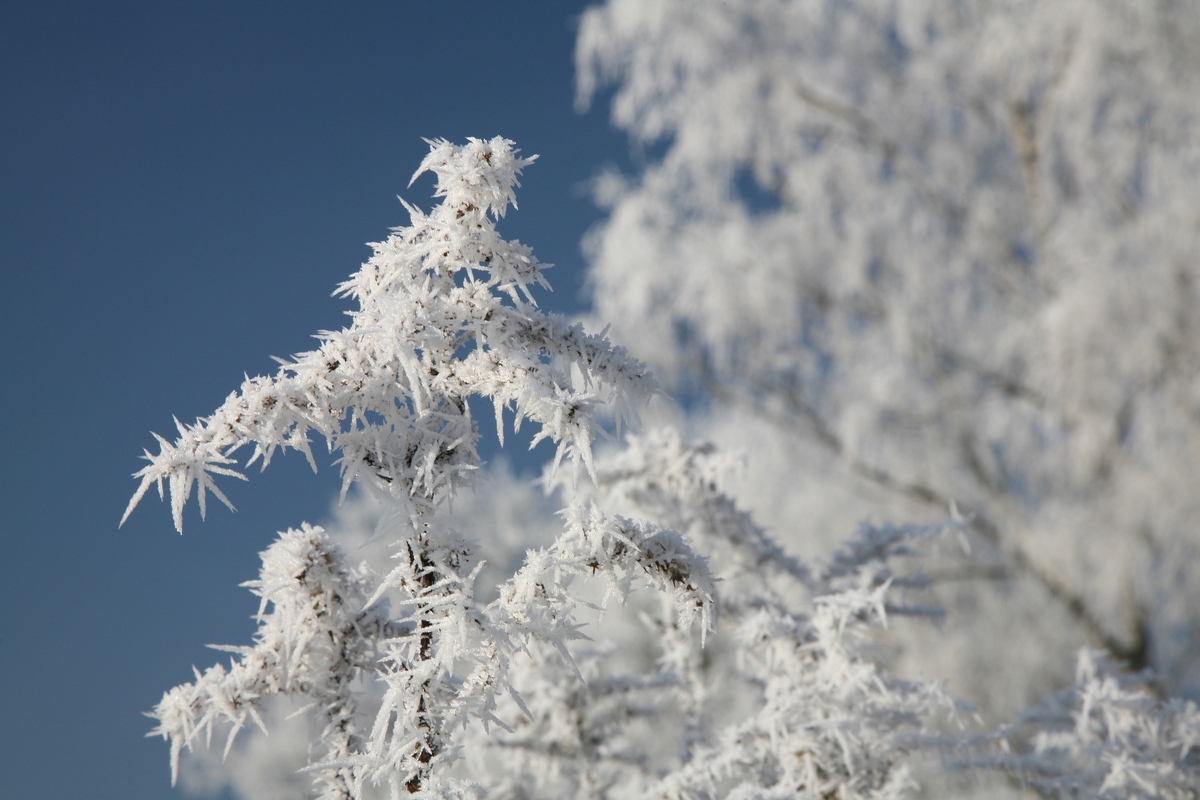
point(183, 185)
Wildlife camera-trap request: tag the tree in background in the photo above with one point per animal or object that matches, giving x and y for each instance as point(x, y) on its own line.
point(715, 663)
point(913, 253)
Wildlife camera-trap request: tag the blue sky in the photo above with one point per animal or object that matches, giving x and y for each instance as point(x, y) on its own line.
point(183, 185)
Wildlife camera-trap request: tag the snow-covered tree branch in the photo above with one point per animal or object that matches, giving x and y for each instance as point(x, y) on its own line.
point(445, 314)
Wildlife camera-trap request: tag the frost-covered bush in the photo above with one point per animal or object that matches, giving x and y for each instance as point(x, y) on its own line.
point(663, 644)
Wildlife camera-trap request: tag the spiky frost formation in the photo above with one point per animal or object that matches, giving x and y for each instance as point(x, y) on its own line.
point(1105, 737)
point(314, 639)
point(445, 312)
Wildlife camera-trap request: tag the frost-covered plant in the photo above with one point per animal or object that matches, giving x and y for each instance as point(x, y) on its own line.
point(1106, 737)
point(317, 640)
point(828, 721)
point(445, 314)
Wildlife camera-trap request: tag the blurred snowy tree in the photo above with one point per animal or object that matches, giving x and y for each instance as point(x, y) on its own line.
point(914, 252)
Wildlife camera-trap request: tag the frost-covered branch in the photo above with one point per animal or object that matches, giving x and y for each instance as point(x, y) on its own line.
point(831, 720)
point(445, 313)
point(312, 644)
point(1104, 737)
